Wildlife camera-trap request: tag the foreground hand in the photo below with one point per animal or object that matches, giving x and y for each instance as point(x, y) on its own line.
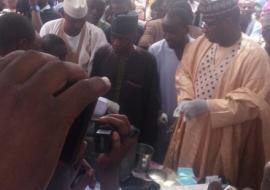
point(121, 144)
point(75, 177)
point(194, 108)
point(34, 121)
point(108, 164)
point(163, 119)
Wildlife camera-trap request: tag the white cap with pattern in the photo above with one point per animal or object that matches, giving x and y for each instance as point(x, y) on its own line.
point(76, 8)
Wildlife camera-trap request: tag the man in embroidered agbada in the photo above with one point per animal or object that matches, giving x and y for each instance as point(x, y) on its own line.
point(82, 38)
point(223, 93)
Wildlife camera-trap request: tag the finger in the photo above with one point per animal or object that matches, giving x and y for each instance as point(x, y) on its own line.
point(54, 76)
point(25, 66)
point(90, 172)
point(4, 61)
point(84, 181)
point(120, 116)
point(112, 159)
point(80, 156)
point(116, 141)
point(87, 178)
point(121, 123)
point(74, 100)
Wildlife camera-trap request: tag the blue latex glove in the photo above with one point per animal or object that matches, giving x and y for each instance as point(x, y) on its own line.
point(194, 108)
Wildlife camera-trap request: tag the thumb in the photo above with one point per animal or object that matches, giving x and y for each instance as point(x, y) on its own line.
point(116, 141)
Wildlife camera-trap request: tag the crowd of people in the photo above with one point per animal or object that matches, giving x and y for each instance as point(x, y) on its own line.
point(194, 80)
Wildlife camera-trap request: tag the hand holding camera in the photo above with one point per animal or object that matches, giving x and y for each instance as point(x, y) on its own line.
point(123, 137)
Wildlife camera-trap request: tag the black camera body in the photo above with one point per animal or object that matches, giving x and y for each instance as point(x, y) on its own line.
point(103, 137)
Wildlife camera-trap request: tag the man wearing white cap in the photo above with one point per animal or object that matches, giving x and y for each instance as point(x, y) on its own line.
point(81, 37)
point(223, 92)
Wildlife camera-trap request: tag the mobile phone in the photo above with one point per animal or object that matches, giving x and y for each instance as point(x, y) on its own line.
point(76, 135)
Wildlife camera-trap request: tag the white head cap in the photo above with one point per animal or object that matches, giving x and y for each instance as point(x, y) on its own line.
point(76, 8)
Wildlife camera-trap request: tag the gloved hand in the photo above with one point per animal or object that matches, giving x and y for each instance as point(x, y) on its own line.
point(178, 110)
point(163, 119)
point(194, 108)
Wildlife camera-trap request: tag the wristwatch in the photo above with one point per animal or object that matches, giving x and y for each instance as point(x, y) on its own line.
point(35, 8)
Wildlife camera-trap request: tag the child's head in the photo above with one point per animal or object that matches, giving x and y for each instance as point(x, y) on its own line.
point(54, 45)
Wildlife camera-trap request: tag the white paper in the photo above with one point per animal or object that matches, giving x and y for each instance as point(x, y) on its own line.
point(190, 187)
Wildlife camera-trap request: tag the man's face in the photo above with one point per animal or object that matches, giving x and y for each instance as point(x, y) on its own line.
point(214, 29)
point(175, 31)
point(96, 9)
point(121, 43)
point(118, 8)
point(73, 26)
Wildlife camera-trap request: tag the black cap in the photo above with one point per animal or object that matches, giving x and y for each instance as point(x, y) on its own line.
point(124, 24)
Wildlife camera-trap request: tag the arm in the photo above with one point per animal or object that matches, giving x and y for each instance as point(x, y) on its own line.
point(244, 104)
point(36, 19)
point(108, 164)
point(98, 41)
point(98, 61)
point(43, 119)
point(152, 102)
point(44, 30)
point(183, 77)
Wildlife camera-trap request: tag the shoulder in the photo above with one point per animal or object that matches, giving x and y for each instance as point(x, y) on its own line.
point(251, 47)
point(198, 44)
point(104, 51)
point(154, 23)
point(146, 57)
point(141, 51)
point(50, 26)
point(52, 23)
point(94, 29)
point(156, 47)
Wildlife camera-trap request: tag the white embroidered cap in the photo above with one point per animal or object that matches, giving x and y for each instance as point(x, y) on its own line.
point(76, 8)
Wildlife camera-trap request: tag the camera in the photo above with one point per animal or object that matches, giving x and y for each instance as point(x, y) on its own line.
point(103, 137)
